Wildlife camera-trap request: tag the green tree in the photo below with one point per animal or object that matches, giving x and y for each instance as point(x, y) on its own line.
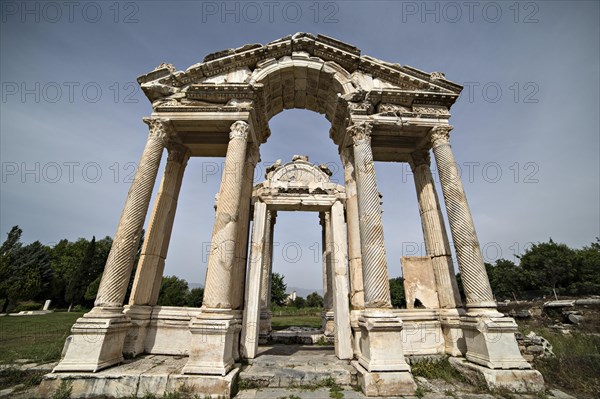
point(278, 288)
point(314, 300)
point(298, 303)
point(7, 257)
point(550, 266)
point(587, 265)
point(26, 271)
point(100, 257)
point(195, 297)
point(397, 292)
point(84, 275)
point(508, 281)
point(173, 291)
point(65, 259)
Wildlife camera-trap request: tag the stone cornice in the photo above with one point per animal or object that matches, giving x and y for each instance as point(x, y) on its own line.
point(323, 47)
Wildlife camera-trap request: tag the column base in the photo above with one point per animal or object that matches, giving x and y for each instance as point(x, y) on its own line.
point(96, 342)
point(328, 323)
point(354, 316)
point(237, 332)
point(454, 340)
point(385, 384)
point(211, 347)
point(491, 341)
point(381, 342)
point(136, 335)
point(169, 330)
point(522, 381)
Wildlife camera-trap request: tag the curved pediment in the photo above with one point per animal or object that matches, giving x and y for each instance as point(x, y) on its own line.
point(300, 172)
point(303, 54)
point(297, 180)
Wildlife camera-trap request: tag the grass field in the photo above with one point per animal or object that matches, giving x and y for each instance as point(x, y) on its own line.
point(281, 322)
point(38, 338)
point(41, 339)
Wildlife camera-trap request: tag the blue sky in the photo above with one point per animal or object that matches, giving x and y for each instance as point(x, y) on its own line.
point(526, 126)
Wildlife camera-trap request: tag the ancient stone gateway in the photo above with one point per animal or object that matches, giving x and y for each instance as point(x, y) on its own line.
point(379, 111)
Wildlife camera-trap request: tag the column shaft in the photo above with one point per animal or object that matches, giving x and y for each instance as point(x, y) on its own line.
point(327, 263)
point(117, 271)
point(243, 229)
point(339, 277)
point(148, 275)
point(217, 294)
point(267, 262)
point(251, 320)
point(375, 274)
point(470, 261)
point(357, 297)
point(434, 232)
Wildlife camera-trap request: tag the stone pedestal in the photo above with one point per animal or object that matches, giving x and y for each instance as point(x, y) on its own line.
point(169, 331)
point(454, 340)
point(328, 323)
point(525, 381)
point(211, 349)
point(136, 335)
point(96, 342)
point(490, 340)
point(265, 326)
point(383, 371)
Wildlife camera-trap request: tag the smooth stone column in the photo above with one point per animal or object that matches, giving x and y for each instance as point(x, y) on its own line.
point(214, 331)
point(250, 330)
point(154, 251)
point(375, 274)
point(265, 286)
point(239, 274)
point(339, 263)
point(241, 243)
point(327, 315)
point(468, 253)
point(217, 293)
point(357, 297)
point(98, 337)
point(434, 232)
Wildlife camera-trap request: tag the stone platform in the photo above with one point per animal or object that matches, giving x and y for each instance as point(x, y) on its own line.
point(154, 374)
point(284, 366)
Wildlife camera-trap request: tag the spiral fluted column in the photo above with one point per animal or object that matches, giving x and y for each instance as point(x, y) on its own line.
point(357, 297)
point(148, 277)
point(434, 231)
point(117, 271)
point(243, 228)
point(468, 253)
point(217, 293)
point(375, 273)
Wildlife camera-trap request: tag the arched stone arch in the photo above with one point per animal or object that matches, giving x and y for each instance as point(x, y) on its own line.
point(379, 111)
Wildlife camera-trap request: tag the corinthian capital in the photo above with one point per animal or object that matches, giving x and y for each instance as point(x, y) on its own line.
point(239, 130)
point(360, 131)
point(440, 134)
point(420, 157)
point(160, 128)
point(178, 153)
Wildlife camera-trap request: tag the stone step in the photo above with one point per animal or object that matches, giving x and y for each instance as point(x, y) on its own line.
point(289, 366)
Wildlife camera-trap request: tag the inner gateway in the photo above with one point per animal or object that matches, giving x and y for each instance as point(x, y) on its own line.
point(379, 111)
